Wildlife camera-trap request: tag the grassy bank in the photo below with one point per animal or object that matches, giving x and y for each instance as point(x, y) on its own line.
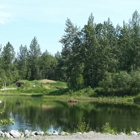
point(50, 89)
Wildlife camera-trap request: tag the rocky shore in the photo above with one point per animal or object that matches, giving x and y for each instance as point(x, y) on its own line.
point(35, 135)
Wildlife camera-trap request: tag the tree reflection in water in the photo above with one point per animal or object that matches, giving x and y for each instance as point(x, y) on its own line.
point(47, 115)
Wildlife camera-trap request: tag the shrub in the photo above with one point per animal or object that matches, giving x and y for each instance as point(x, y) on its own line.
point(107, 129)
point(82, 127)
point(137, 98)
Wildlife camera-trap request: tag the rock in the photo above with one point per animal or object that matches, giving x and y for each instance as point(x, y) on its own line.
point(22, 135)
point(49, 133)
point(122, 133)
point(85, 133)
point(41, 133)
point(1, 134)
point(55, 132)
point(27, 133)
point(90, 132)
point(34, 133)
point(63, 133)
point(7, 135)
point(15, 133)
point(134, 133)
point(79, 133)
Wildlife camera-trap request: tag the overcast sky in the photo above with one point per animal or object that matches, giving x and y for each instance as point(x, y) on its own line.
point(21, 20)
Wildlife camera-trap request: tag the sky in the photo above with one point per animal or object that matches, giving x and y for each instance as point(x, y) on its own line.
point(22, 20)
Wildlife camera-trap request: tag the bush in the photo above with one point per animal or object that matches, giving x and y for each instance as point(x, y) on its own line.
point(1, 85)
point(137, 98)
point(82, 127)
point(107, 129)
point(121, 83)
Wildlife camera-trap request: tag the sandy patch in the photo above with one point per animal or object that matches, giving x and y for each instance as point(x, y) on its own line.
point(46, 86)
point(47, 81)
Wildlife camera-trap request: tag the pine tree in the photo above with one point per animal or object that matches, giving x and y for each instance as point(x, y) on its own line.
point(34, 54)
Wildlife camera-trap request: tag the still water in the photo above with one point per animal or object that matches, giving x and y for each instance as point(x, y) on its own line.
point(46, 115)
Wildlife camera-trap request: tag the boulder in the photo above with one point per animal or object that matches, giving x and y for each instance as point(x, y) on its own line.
point(63, 133)
point(15, 133)
point(40, 133)
point(7, 135)
point(55, 132)
point(27, 133)
point(34, 133)
point(122, 133)
point(134, 133)
point(2, 134)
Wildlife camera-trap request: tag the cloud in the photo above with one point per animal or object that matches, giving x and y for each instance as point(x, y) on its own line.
point(4, 16)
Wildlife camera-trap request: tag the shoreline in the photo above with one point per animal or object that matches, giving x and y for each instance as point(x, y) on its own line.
point(85, 136)
point(28, 135)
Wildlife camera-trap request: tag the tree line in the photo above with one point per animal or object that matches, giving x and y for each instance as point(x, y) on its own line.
point(28, 63)
point(97, 55)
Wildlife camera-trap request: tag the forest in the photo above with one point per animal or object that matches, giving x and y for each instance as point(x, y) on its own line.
point(97, 55)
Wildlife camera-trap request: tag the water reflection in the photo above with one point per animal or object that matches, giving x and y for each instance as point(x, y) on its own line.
point(46, 115)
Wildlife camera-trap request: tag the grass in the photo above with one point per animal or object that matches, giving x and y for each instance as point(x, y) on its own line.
point(51, 89)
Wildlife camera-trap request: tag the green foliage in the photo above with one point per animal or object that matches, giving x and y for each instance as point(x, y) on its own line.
point(137, 98)
point(33, 55)
point(82, 127)
point(122, 83)
point(107, 129)
point(22, 62)
point(95, 55)
point(5, 122)
point(1, 84)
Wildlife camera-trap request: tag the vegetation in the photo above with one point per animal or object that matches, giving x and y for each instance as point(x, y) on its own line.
point(98, 55)
point(137, 98)
point(82, 127)
point(5, 122)
point(107, 129)
point(49, 89)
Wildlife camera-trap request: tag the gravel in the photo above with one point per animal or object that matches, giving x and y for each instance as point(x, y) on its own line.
point(85, 136)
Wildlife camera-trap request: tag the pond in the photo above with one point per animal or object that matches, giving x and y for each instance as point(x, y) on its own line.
point(46, 115)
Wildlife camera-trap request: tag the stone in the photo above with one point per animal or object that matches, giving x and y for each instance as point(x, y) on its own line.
point(7, 135)
point(41, 133)
point(15, 133)
point(55, 132)
point(122, 133)
point(91, 132)
point(34, 133)
point(22, 134)
point(27, 133)
point(134, 133)
point(1, 134)
point(63, 133)
point(79, 133)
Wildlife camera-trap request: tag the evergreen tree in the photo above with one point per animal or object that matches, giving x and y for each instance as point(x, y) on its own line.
point(47, 65)
point(8, 56)
point(67, 43)
point(134, 25)
point(34, 54)
point(22, 61)
point(91, 54)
